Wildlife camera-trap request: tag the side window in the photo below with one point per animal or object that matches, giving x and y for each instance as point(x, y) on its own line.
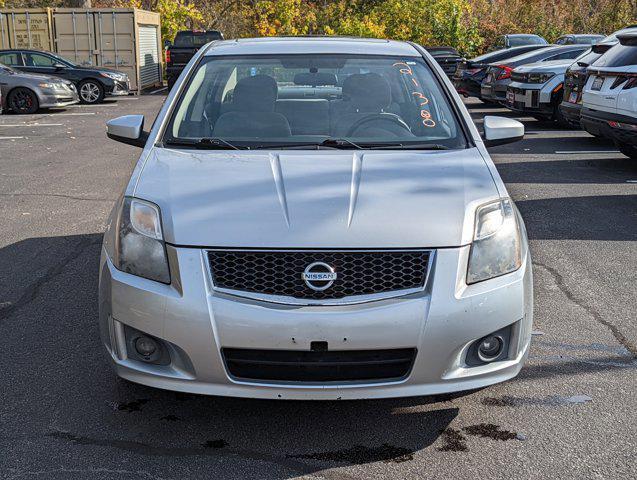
point(11, 59)
point(39, 60)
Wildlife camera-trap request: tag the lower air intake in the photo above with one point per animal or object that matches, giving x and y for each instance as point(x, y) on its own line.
point(308, 366)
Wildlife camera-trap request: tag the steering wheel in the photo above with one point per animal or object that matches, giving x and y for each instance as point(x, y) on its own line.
point(387, 118)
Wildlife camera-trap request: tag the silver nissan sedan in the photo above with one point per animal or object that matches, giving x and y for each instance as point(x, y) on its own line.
point(315, 218)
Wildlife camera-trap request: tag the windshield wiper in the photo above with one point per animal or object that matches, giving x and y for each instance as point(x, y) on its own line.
point(413, 146)
point(340, 143)
point(206, 143)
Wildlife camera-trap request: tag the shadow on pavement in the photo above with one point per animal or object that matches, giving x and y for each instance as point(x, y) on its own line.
point(590, 171)
point(599, 217)
point(60, 379)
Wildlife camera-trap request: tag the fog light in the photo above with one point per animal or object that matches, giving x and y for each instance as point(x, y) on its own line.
point(145, 346)
point(490, 348)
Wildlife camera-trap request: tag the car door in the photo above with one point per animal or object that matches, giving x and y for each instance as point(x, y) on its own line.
point(38, 62)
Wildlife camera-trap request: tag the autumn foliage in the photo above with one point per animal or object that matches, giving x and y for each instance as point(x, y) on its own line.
point(469, 25)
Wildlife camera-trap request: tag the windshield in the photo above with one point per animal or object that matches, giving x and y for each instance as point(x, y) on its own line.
point(304, 100)
point(195, 39)
point(526, 40)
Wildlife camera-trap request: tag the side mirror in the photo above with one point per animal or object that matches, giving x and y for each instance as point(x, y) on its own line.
point(128, 129)
point(501, 130)
point(59, 66)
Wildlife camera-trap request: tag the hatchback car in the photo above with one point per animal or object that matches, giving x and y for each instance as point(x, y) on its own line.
point(609, 101)
point(93, 83)
point(315, 218)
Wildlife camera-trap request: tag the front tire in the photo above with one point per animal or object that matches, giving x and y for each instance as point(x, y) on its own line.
point(22, 100)
point(627, 149)
point(91, 92)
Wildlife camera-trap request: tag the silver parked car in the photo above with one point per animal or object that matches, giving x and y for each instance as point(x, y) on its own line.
point(26, 93)
point(494, 86)
point(315, 218)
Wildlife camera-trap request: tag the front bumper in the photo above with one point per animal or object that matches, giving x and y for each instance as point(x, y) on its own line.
point(571, 112)
point(115, 88)
point(619, 128)
point(534, 99)
point(441, 322)
point(57, 99)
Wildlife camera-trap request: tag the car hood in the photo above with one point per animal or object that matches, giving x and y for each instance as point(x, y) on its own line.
point(552, 66)
point(34, 77)
point(317, 199)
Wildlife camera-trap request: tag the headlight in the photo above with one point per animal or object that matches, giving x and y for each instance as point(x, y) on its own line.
point(140, 248)
point(47, 85)
point(496, 242)
point(540, 77)
point(114, 76)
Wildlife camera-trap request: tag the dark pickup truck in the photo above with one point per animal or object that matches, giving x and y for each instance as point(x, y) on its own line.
point(186, 44)
point(447, 57)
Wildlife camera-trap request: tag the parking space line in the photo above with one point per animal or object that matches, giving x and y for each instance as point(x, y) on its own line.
point(10, 138)
point(158, 90)
point(93, 106)
point(32, 125)
point(74, 113)
point(586, 151)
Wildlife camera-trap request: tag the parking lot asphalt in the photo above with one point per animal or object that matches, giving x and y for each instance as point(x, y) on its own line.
point(571, 413)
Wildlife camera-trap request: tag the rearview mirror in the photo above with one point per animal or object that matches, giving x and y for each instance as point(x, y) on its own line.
point(128, 129)
point(501, 130)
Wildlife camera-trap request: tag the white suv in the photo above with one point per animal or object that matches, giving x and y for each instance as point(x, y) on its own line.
point(610, 95)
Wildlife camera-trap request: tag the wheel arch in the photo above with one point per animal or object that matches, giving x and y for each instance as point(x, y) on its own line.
point(5, 98)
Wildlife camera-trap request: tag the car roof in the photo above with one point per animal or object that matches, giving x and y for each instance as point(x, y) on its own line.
point(548, 51)
point(318, 44)
point(522, 35)
point(29, 50)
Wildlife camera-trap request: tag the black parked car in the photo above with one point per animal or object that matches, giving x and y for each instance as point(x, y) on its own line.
point(574, 81)
point(92, 83)
point(447, 57)
point(186, 44)
point(470, 73)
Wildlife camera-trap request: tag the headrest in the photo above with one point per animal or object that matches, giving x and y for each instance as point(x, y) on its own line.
point(314, 79)
point(257, 93)
point(367, 91)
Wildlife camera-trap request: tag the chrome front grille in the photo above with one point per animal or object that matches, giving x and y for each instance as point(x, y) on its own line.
point(280, 273)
